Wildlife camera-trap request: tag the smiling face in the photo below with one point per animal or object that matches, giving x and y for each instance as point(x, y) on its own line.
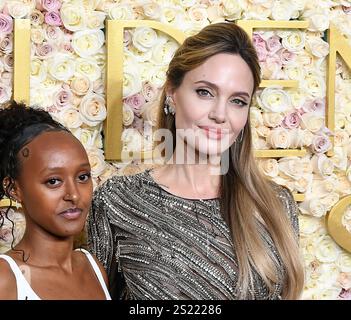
point(213, 102)
point(54, 184)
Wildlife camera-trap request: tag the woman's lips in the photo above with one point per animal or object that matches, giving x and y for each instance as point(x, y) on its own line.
point(213, 133)
point(71, 214)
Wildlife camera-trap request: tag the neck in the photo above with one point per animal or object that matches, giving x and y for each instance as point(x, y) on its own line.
point(45, 250)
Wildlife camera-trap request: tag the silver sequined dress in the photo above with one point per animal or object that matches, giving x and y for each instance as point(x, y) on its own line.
point(156, 245)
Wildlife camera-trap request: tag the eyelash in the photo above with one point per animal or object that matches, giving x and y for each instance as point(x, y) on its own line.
point(239, 102)
point(87, 175)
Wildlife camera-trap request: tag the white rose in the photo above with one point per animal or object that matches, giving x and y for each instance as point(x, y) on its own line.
point(322, 165)
point(312, 122)
point(279, 138)
point(318, 19)
point(308, 225)
point(297, 97)
point(131, 83)
point(294, 41)
point(272, 119)
point(95, 19)
point(61, 67)
point(88, 68)
point(313, 207)
point(263, 131)
point(339, 158)
point(344, 262)
point(121, 11)
point(341, 138)
point(92, 109)
point(327, 250)
point(258, 143)
point(162, 53)
point(73, 17)
point(291, 167)
point(38, 71)
point(96, 160)
point(330, 200)
point(128, 115)
point(37, 35)
point(70, 118)
point(283, 10)
point(269, 167)
point(231, 10)
point(326, 294)
point(87, 42)
point(150, 112)
point(132, 140)
point(19, 9)
point(89, 138)
point(144, 38)
point(274, 100)
point(318, 47)
point(152, 10)
point(294, 72)
point(156, 75)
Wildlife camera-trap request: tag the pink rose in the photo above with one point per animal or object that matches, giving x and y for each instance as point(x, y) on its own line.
point(51, 5)
point(63, 98)
point(286, 56)
point(6, 24)
point(6, 45)
point(53, 18)
point(44, 50)
point(345, 294)
point(53, 33)
point(321, 144)
point(136, 101)
point(347, 10)
point(274, 44)
point(260, 46)
point(291, 120)
point(127, 38)
point(149, 91)
point(317, 106)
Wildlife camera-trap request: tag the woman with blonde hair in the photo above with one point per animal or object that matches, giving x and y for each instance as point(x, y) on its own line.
point(206, 224)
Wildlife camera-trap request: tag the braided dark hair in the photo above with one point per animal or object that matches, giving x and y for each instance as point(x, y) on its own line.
point(19, 125)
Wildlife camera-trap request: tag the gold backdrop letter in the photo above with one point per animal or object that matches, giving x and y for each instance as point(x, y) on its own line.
point(114, 78)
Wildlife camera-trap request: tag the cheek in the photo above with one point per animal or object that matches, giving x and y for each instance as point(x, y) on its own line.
point(238, 119)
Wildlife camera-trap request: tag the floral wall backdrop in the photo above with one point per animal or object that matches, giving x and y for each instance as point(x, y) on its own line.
point(68, 75)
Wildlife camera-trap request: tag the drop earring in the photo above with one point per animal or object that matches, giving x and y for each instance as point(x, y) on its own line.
point(168, 109)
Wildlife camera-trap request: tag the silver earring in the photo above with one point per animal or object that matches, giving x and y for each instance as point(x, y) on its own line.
point(168, 109)
point(241, 136)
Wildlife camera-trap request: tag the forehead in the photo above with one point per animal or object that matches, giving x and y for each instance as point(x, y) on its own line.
point(225, 70)
point(54, 146)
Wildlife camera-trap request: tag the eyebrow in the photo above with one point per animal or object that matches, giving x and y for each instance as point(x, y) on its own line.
point(87, 164)
point(213, 85)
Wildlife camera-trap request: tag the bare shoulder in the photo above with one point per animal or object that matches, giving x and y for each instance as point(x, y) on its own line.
point(102, 269)
point(8, 288)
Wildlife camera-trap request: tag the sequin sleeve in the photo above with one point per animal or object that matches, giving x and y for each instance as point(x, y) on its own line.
point(100, 238)
point(291, 208)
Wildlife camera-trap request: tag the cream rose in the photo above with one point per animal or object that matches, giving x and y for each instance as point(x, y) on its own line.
point(263, 131)
point(19, 9)
point(70, 118)
point(128, 115)
point(144, 38)
point(87, 42)
point(37, 35)
point(313, 207)
point(317, 18)
point(89, 138)
point(150, 112)
point(346, 219)
point(96, 160)
point(341, 138)
point(131, 82)
point(283, 10)
point(38, 71)
point(291, 167)
point(272, 119)
point(95, 19)
point(308, 225)
point(274, 100)
point(269, 167)
point(162, 53)
point(314, 85)
point(81, 85)
point(312, 122)
point(73, 17)
point(92, 109)
point(61, 67)
point(152, 10)
point(120, 11)
point(256, 118)
point(279, 138)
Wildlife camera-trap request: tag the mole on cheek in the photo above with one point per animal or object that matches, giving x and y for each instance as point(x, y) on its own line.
point(25, 152)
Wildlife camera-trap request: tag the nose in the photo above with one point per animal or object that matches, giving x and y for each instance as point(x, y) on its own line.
point(219, 112)
point(71, 192)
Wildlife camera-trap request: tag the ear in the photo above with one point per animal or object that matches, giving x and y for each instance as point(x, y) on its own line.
point(15, 191)
point(170, 93)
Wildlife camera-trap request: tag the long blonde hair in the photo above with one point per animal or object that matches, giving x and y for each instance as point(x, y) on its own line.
point(247, 197)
